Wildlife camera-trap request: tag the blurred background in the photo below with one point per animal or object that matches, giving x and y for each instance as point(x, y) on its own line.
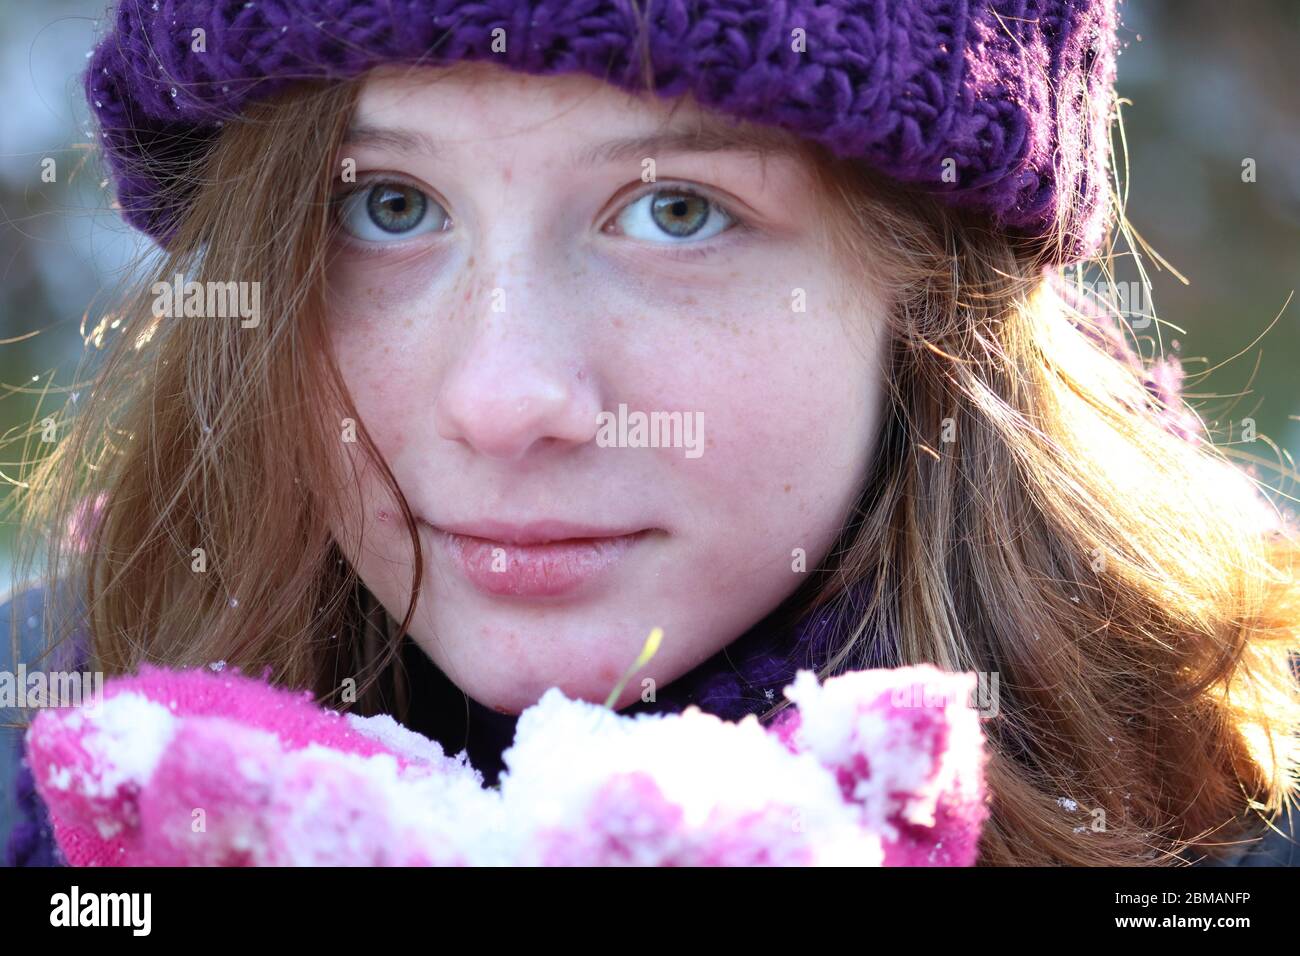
point(1211, 120)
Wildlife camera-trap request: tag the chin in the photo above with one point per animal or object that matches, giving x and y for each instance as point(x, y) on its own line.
point(511, 696)
point(509, 664)
point(508, 667)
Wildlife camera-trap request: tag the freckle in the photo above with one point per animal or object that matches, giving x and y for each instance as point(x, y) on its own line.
point(618, 323)
point(505, 176)
point(787, 488)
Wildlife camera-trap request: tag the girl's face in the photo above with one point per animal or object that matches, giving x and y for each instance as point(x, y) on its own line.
point(518, 256)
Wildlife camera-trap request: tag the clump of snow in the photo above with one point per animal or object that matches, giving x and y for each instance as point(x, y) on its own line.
point(415, 747)
point(722, 784)
point(125, 741)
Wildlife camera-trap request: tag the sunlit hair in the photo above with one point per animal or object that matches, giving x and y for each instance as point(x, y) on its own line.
point(1027, 513)
point(1032, 516)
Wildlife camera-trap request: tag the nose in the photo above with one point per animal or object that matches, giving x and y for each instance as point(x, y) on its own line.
point(520, 384)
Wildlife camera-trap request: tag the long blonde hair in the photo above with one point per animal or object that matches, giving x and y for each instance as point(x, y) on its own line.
point(1027, 514)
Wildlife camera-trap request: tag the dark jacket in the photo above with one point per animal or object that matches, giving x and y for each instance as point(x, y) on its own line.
point(25, 835)
point(718, 686)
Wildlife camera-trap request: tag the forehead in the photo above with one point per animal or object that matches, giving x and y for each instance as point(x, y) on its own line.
point(431, 107)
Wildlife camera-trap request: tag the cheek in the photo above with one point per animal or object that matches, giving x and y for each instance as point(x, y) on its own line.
point(785, 412)
point(790, 411)
point(381, 391)
point(378, 351)
point(794, 406)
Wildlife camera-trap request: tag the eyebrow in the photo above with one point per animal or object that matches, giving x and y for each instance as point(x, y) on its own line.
point(709, 135)
point(392, 138)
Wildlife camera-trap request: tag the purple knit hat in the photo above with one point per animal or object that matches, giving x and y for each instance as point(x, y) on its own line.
point(1001, 106)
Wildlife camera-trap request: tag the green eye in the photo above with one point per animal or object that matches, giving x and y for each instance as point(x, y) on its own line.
point(679, 214)
point(390, 210)
point(673, 214)
point(395, 208)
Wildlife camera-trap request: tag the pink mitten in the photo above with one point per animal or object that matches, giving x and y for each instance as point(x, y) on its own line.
point(204, 768)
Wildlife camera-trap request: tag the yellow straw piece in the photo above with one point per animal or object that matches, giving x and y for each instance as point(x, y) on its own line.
point(648, 650)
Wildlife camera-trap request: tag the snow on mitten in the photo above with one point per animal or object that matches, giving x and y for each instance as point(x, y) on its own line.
point(880, 767)
point(201, 767)
point(906, 747)
point(688, 789)
point(197, 768)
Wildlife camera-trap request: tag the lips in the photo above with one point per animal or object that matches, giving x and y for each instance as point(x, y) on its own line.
point(544, 559)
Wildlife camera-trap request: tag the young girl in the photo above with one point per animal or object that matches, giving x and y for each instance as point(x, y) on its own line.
point(742, 321)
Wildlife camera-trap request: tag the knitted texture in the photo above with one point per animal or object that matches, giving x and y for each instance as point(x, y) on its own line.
point(1001, 106)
